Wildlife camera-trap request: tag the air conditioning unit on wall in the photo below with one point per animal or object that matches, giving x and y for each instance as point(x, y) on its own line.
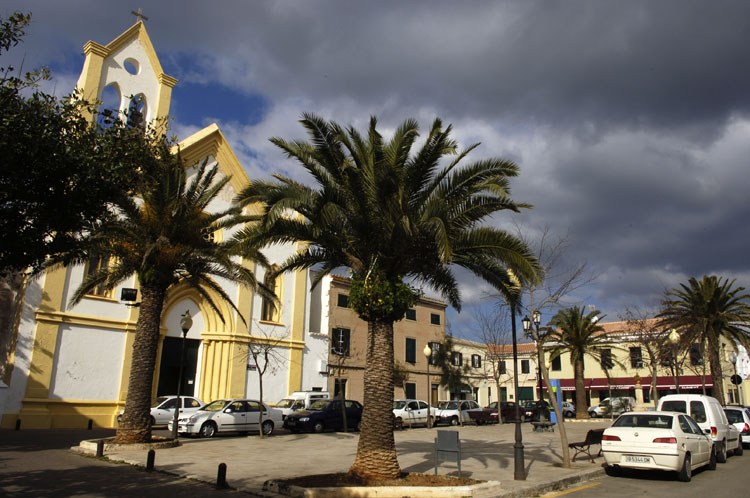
point(323, 366)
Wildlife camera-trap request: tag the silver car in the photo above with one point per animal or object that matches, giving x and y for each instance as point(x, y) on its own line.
point(162, 409)
point(229, 415)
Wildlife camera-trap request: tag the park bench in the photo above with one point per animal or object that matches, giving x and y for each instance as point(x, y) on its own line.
point(543, 426)
point(593, 436)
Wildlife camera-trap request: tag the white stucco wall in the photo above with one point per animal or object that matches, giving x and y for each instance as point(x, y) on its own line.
point(274, 379)
point(88, 365)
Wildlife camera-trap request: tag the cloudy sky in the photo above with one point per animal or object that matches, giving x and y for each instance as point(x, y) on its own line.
point(629, 120)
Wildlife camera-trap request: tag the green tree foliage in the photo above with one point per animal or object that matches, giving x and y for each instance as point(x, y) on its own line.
point(579, 334)
point(59, 173)
point(161, 234)
point(392, 213)
point(705, 310)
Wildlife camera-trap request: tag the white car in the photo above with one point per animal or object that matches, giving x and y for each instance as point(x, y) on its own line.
point(229, 415)
point(568, 409)
point(657, 441)
point(621, 404)
point(448, 411)
point(407, 412)
point(162, 409)
point(740, 417)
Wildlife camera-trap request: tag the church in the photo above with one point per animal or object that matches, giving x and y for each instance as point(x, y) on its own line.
point(70, 364)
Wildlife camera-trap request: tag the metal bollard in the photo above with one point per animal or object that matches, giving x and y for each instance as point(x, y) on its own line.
point(18, 424)
point(221, 477)
point(91, 424)
point(100, 448)
point(150, 460)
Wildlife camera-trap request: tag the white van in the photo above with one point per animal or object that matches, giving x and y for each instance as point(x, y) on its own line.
point(710, 416)
point(299, 400)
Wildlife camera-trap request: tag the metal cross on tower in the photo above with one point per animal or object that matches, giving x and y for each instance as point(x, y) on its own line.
point(139, 15)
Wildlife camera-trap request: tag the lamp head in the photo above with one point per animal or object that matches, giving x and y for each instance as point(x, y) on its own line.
point(537, 316)
point(526, 324)
point(186, 322)
point(427, 352)
point(674, 336)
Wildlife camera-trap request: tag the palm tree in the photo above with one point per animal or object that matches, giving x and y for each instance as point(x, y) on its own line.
point(579, 334)
point(161, 234)
point(706, 310)
point(391, 215)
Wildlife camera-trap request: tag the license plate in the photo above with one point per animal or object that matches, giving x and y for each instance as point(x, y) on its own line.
point(637, 459)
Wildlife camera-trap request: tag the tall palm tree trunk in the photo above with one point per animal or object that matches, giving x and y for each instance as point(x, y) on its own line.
point(581, 406)
point(135, 426)
point(376, 451)
point(716, 371)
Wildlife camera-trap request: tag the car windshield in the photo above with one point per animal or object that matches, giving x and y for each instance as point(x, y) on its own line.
point(645, 421)
point(319, 405)
point(399, 404)
point(734, 416)
point(215, 406)
point(448, 405)
point(159, 400)
point(285, 403)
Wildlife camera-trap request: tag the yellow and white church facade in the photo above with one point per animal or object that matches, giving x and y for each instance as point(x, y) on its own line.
point(70, 364)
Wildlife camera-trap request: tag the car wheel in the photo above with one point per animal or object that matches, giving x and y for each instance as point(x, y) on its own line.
point(721, 455)
point(686, 473)
point(740, 450)
point(398, 423)
point(712, 459)
point(613, 470)
point(267, 427)
point(208, 429)
point(454, 420)
point(318, 427)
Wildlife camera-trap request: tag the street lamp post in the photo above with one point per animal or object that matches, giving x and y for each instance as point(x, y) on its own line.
point(519, 468)
point(185, 323)
point(734, 357)
point(674, 338)
point(428, 355)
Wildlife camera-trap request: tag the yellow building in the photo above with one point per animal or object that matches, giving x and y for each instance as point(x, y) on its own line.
point(70, 364)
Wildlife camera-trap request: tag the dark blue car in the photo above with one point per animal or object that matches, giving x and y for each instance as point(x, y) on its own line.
point(325, 414)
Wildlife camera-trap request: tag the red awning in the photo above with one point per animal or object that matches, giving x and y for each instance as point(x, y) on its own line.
point(686, 382)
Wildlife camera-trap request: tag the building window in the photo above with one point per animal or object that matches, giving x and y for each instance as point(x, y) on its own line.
point(636, 359)
point(434, 319)
point(340, 338)
point(411, 350)
point(411, 390)
point(556, 364)
point(435, 347)
point(525, 366)
point(269, 312)
point(696, 355)
point(343, 301)
point(476, 361)
point(411, 314)
point(606, 359)
point(339, 388)
point(502, 367)
point(95, 265)
point(457, 359)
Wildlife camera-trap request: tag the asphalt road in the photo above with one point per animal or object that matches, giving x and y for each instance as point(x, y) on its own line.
point(39, 464)
point(729, 480)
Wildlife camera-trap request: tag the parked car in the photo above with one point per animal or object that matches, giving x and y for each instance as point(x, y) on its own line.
point(299, 400)
point(739, 416)
point(709, 414)
point(535, 411)
point(229, 415)
point(657, 440)
point(617, 406)
point(507, 411)
point(568, 409)
point(162, 409)
point(325, 414)
point(407, 412)
point(448, 411)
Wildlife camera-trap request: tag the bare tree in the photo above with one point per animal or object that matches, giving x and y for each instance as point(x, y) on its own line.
point(647, 333)
point(263, 352)
point(557, 279)
point(495, 335)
